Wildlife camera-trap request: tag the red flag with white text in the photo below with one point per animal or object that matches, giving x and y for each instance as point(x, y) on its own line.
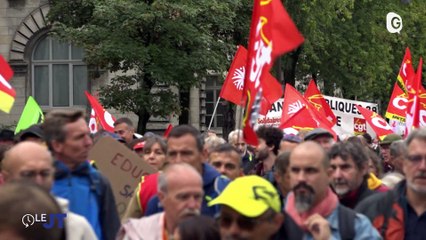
point(232, 88)
point(406, 71)
point(104, 118)
point(397, 107)
point(377, 123)
point(272, 33)
point(314, 97)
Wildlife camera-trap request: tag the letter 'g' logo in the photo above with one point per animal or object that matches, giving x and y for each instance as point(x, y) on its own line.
point(28, 220)
point(393, 22)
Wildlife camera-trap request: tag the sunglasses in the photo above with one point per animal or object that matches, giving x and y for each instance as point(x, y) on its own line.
point(244, 223)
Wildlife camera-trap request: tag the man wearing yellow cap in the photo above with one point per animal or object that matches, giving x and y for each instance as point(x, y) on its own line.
point(251, 209)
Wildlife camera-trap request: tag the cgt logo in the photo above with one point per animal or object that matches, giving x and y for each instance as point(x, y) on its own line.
point(360, 126)
point(47, 220)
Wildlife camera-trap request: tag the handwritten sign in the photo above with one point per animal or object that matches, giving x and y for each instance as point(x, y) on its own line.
point(123, 167)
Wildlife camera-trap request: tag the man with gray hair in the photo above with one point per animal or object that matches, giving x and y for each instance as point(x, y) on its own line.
point(31, 161)
point(398, 152)
point(401, 212)
point(235, 138)
point(180, 190)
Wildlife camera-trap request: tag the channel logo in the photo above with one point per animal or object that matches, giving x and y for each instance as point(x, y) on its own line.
point(393, 22)
point(47, 220)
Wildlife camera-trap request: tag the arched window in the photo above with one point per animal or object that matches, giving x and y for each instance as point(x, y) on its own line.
point(59, 75)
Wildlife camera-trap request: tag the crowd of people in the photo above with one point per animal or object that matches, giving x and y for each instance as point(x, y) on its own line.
point(289, 186)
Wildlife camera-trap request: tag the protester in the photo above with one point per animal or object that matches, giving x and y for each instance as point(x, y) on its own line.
point(33, 133)
point(197, 228)
point(88, 191)
point(154, 152)
point(289, 142)
point(236, 139)
point(185, 144)
point(137, 145)
point(227, 160)
point(267, 150)
point(30, 161)
point(321, 136)
point(397, 155)
point(400, 213)
point(349, 164)
point(18, 199)
point(281, 175)
point(180, 192)
point(124, 128)
point(250, 209)
point(212, 141)
point(7, 137)
point(385, 151)
point(311, 194)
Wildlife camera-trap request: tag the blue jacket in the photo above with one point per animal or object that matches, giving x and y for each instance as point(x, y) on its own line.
point(213, 185)
point(90, 195)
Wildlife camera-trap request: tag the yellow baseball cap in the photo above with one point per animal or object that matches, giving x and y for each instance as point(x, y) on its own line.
point(250, 195)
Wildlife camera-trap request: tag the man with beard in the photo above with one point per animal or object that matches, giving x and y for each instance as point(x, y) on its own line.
point(180, 190)
point(349, 173)
point(311, 194)
point(267, 150)
point(385, 151)
point(401, 213)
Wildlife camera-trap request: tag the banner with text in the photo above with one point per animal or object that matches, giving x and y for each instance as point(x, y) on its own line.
point(349, 119)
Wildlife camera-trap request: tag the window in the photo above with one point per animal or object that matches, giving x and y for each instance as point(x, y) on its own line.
point(213, 86)
point(59, 75)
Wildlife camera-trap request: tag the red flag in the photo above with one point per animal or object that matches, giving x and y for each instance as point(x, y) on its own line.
point(272, 91)
point(7, 92)
point(169, 128)
point(406, 71)
point(232, 89)
point(397, 107)
point(93, 123)
point(5, 71)
point(314, 97)
point(104, 118)
point(272, 33)
point(377, 123)
point(413, 106)
point(303, 119)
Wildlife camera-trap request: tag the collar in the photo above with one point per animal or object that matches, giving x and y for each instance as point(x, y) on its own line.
point(209, 174)
point(63, 171)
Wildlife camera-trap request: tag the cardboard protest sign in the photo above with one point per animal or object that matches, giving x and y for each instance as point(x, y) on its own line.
point(122, 167)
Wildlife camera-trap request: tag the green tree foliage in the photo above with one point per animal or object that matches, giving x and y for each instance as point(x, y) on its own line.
point(158, 44)
point(348, 46)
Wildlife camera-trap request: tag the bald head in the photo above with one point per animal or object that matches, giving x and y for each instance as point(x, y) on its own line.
point(29, 161)
point(311, 149)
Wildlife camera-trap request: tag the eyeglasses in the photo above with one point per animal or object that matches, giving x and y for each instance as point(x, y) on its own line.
point(32, 174)
point(416, 158)
point(244, 223)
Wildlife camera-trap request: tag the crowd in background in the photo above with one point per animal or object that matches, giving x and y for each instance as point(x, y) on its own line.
point(290, 186)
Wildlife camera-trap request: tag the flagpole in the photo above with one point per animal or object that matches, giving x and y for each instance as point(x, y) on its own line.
point(214, 113)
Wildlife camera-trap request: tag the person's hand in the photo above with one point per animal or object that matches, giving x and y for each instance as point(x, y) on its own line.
point(318, 227)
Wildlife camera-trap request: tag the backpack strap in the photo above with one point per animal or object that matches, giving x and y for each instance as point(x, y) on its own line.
point(346, 218)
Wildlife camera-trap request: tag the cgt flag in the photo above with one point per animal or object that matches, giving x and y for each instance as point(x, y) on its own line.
point(32, 114)
point(406, 71)
point(103, 118)
point(314, 97)
point(272, 33)
point(397, 107)
point(7, 93)
point(377, 123)
point(413, 105)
